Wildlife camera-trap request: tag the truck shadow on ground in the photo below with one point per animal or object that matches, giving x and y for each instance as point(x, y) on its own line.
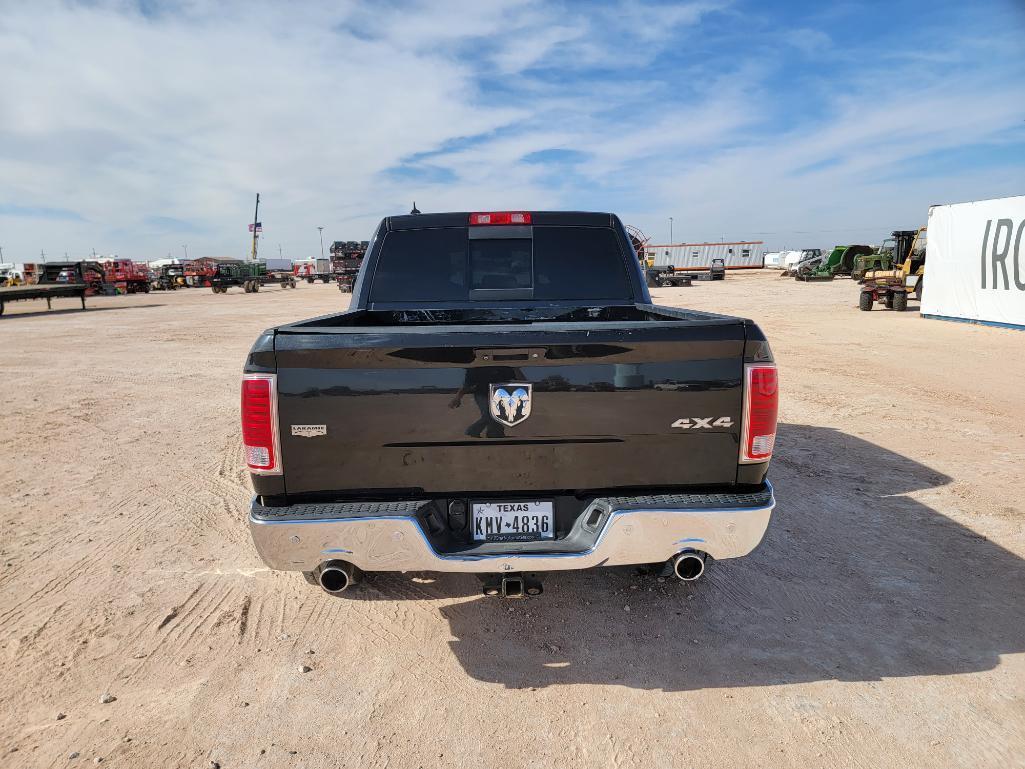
point(853, 582)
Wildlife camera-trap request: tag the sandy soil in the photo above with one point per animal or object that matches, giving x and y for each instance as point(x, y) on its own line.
point(881, 623)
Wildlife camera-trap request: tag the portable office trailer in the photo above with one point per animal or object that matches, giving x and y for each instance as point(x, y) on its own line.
point(744, 255)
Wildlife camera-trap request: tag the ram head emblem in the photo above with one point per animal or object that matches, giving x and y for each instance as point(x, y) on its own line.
point(510, 403)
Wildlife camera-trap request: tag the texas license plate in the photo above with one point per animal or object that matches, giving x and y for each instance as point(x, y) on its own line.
point(513, 521)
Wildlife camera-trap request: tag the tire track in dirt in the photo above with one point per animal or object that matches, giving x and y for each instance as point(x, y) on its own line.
point(404, 631)
point(198, 614)
point(221, 482)
point(211, 508)
point(243, 619)
point(402, 628)
point(101, 556)
point(31, 637)
point(173, 635)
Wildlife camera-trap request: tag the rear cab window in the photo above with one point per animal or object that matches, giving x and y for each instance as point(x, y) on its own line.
point(415, 264)
point(487, 263)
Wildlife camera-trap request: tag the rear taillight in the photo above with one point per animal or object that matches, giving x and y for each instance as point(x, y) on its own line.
point(761, 406)
point(260, 423)
point(500, 217)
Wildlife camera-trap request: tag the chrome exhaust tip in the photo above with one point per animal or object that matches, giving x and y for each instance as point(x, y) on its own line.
point(336, 576)
point(689, 565)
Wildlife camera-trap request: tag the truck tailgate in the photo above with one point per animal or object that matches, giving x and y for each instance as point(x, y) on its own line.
point(365, 412)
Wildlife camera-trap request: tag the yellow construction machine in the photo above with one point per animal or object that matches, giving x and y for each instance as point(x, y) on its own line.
point(892, 286)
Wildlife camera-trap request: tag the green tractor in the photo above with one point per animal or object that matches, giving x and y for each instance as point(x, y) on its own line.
point(841, 261)
point(894, 251)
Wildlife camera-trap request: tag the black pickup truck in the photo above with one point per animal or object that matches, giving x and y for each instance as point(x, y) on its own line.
point(503, 398)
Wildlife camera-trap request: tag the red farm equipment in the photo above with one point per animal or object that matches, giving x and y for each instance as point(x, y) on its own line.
point(198, 272)
point(126, 276)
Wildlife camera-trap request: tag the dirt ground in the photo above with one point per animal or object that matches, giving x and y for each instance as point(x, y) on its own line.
point(881, 623)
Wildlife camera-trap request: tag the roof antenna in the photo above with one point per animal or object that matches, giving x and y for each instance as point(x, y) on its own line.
point(415, 209)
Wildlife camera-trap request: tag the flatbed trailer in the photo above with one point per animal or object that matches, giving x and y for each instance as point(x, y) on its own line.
point(666, 277)
point(228, 275)
point(283, 278)
point(47, 291)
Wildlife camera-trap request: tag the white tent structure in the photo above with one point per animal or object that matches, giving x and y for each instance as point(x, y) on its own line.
point(975, 262)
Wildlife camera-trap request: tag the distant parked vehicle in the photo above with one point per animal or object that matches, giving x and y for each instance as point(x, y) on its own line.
point(197, 273)
point(249, 275)
point(841, 261)
point(892, 286)
point(126, 276)
point(166, 278)
point(806, 258)
point(894, 251)
point(667, 277)
point(312, 270)
point(244, 274)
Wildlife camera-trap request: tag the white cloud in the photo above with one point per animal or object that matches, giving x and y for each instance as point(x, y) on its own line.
point(120, 117)
point(809, 41)
point(134, 121)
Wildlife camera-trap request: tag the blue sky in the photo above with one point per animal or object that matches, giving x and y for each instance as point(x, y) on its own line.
point(138, 127)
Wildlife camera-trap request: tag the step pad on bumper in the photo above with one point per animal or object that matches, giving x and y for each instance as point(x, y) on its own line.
point(319, 510)
point(331, 510)
point(721, 500)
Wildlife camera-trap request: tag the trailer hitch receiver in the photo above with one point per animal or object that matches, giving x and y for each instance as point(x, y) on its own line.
point(512, 586)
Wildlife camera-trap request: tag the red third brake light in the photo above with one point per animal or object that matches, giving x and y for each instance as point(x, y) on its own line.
point(259, 423)
point(761, 406)
point(500, 217)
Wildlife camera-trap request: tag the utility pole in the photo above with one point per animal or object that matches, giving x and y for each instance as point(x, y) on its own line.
point(321, 229)
point(279, 252)
point(670, 230)
point(186, 247)
point(256, 224)
point(42, 255)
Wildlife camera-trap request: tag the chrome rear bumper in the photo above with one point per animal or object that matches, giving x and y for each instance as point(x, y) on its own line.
point(395, 541)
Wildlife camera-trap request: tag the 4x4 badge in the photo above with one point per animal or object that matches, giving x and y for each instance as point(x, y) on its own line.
point(687, 423)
